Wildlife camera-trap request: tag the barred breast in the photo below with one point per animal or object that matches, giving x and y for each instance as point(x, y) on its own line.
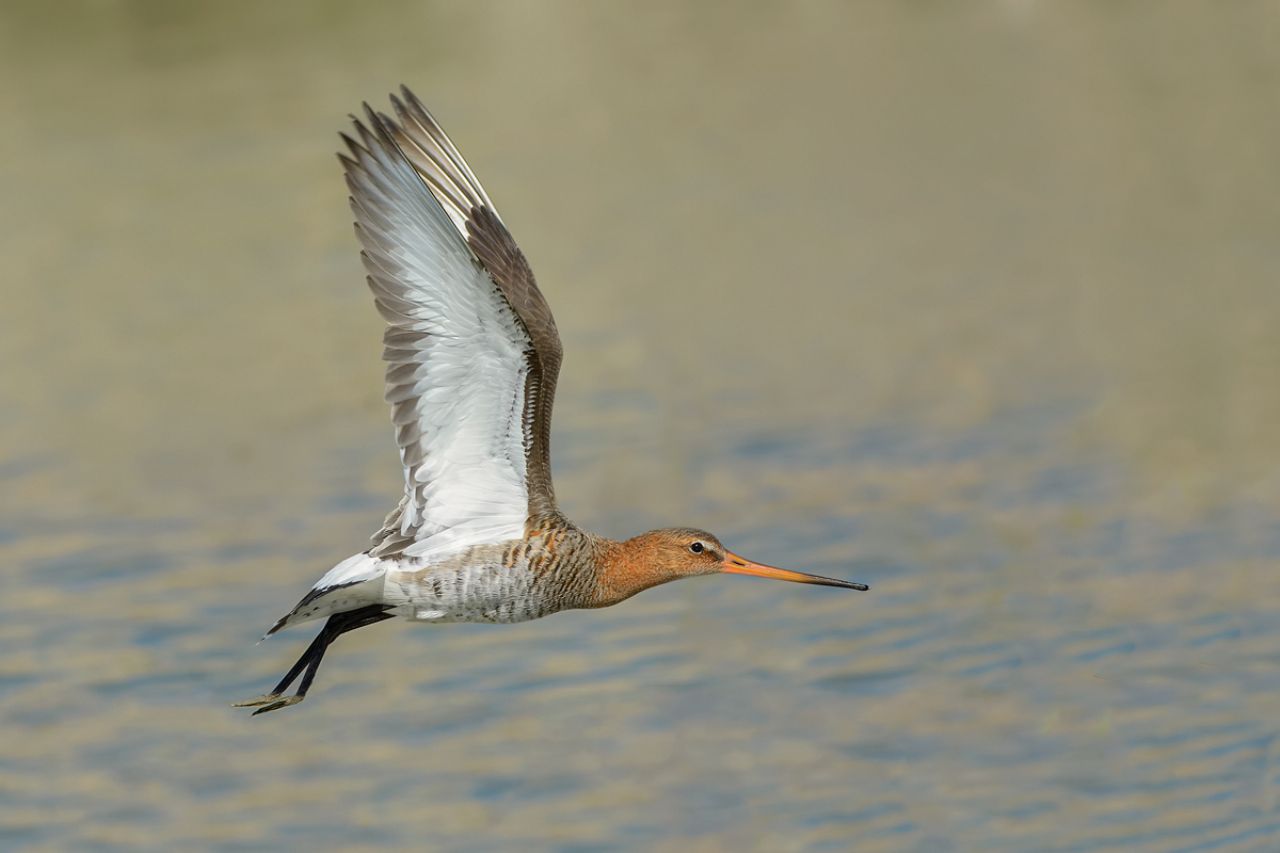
point(512, 581)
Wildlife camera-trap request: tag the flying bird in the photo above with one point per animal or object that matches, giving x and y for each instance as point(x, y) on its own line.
point(472, 357)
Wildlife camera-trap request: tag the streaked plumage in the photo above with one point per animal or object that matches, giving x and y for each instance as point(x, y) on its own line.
point(472, 358)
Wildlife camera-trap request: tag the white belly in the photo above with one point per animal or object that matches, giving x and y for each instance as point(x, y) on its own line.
point(483, 592)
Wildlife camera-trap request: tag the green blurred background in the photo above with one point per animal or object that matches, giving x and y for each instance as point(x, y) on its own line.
point(976, 302)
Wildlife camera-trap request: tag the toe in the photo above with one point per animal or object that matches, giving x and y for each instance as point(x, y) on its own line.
point(277, 705)
point(264, 699)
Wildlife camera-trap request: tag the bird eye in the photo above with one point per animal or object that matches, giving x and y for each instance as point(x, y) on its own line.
point(697, 547)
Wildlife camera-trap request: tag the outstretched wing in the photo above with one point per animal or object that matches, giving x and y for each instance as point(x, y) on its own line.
point(471, 348)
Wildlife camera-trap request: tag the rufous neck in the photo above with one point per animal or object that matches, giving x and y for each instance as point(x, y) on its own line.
point(624, 569)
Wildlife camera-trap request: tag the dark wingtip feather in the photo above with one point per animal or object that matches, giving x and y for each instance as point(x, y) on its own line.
point(398, 105)
point(413, 101)
point(348, 164)
point(378, 122)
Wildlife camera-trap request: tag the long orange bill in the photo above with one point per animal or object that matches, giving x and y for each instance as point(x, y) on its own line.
point(735, 565)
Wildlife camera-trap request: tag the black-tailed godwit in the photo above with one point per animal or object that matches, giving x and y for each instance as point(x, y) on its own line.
point(472, 356)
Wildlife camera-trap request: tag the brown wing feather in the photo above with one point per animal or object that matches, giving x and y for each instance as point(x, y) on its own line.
point(497, 251)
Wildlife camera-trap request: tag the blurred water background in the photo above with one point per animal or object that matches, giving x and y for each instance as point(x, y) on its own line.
point(974, 302)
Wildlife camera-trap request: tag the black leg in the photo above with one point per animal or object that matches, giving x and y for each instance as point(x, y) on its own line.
point(314, 651)
point(334, 628)
point(309, 663)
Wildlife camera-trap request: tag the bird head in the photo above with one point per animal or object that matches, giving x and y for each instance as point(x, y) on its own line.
point(672, 553)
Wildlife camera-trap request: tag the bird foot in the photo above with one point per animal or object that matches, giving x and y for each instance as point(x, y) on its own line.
point(269, 702)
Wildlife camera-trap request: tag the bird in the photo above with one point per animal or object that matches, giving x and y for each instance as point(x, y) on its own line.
point(472, 355)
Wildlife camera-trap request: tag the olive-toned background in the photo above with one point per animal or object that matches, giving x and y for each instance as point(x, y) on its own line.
point(976, 302)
